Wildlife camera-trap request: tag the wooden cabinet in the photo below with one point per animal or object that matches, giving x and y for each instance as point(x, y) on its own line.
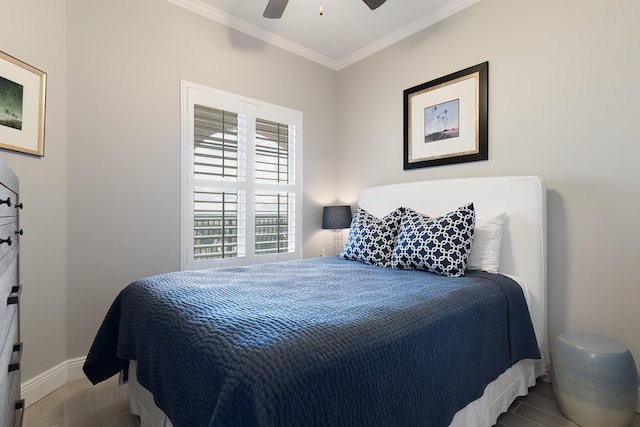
point(11, 404)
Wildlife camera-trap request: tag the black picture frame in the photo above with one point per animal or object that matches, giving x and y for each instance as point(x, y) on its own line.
point(456, 133)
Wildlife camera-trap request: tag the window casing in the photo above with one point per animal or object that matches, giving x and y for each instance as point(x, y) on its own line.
point(241, 187)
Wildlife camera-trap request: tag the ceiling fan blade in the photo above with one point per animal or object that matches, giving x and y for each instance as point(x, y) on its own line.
point(275, 8)
point(374, 4)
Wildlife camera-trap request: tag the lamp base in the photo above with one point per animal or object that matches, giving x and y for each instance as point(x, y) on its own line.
point(337, 243)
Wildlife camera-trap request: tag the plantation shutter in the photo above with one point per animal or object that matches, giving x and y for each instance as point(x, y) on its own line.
point(274, 213)
point(244, 186)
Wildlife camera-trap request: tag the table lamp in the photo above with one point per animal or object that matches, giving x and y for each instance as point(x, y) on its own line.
point(336, 218)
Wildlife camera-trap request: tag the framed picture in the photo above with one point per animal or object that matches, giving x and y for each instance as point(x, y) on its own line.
point(22, 106)
point(445, 120)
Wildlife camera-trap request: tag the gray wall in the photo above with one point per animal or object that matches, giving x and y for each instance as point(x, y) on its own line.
point(564, 99)
point(102, 206)
point(35, 32)
point(126, 60)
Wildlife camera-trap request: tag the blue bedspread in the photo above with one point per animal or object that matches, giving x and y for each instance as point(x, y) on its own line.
point(316, 342)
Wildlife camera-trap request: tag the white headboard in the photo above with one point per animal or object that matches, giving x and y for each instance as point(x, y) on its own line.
point(523, 198)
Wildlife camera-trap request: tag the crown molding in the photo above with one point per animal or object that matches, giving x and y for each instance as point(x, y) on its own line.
point(254, 31)
point(406, 31)
point(224, 18)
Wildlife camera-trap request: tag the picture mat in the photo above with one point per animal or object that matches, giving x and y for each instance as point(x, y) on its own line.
point(466, 90)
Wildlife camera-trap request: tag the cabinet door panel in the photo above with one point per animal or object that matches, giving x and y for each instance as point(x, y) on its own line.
point(6, 358)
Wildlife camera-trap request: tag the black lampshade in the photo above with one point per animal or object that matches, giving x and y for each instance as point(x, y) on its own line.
point(335, 217)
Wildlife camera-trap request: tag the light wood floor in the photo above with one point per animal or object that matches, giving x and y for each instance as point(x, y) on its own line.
point(78, 404)
point(539, 408)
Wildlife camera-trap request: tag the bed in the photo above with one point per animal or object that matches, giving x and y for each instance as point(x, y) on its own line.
point(332, 341)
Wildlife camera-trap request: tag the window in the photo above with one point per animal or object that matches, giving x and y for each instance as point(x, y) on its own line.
point(241, 188)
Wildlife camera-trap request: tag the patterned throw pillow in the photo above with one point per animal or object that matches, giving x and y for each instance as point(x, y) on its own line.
point(439, 245)
point(371, 240)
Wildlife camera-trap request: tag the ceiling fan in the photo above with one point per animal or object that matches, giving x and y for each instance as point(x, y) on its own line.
point(275, 8)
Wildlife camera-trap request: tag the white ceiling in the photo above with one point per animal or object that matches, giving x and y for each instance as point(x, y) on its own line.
point(347, 31)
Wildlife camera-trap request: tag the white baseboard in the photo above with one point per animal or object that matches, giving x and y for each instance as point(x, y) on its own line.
point(38, 387)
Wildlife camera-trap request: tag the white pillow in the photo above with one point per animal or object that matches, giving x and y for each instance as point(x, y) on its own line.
point(487, 239)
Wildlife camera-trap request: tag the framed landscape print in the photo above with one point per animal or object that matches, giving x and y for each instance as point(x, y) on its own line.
point(22, 106)
point(445, 120)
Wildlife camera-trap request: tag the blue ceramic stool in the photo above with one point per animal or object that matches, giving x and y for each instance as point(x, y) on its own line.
point(594, 379)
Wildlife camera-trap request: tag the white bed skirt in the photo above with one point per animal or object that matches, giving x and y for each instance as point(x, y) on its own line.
point(499, 395)
point(483, 412)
